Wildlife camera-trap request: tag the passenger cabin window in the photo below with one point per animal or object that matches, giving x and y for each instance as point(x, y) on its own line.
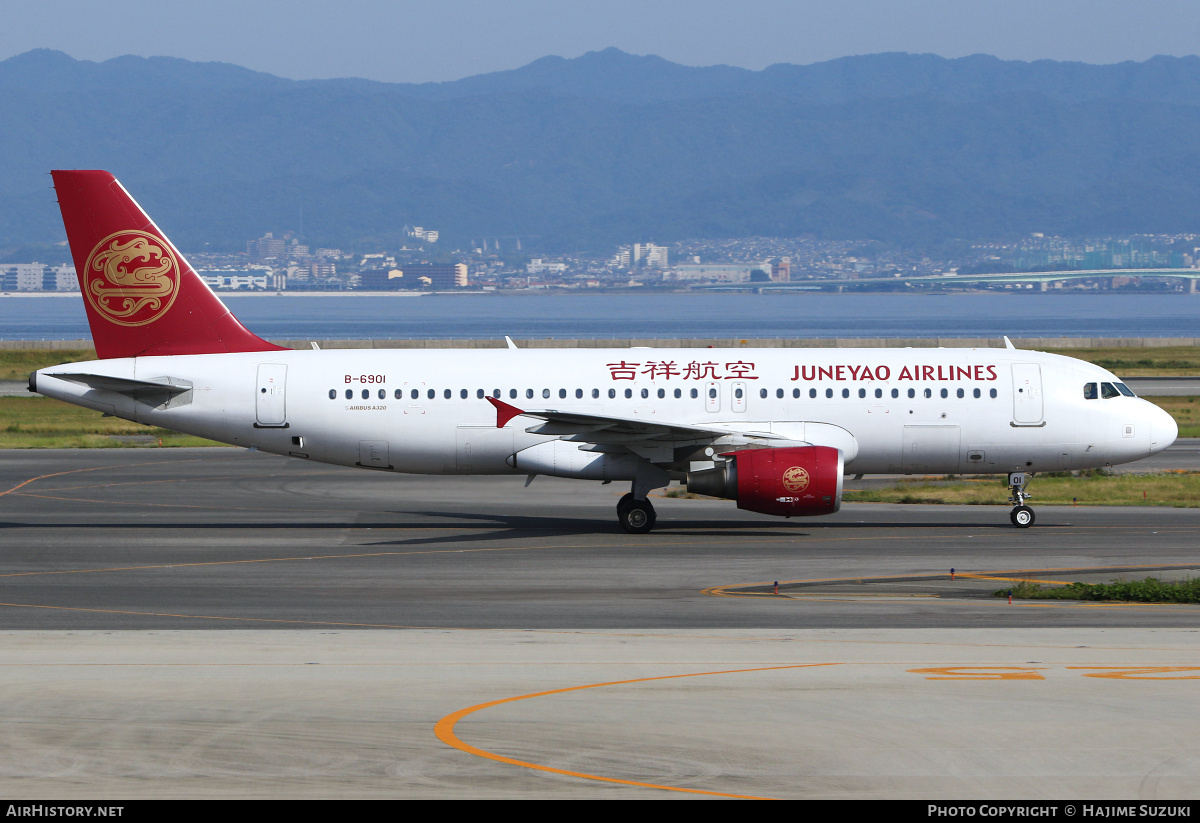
point(333, 394)
point(695, 393)
point(1089, 391)
point(349, 394)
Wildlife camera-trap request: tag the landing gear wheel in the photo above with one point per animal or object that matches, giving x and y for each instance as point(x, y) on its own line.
point(1022, 517)
point(636, 516)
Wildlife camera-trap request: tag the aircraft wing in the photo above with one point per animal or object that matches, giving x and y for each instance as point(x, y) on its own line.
point(596, 428)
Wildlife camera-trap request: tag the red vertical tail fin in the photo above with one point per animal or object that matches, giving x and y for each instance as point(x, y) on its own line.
point(142, 296)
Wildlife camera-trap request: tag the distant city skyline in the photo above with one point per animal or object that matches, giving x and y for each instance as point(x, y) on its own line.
point(406, 41)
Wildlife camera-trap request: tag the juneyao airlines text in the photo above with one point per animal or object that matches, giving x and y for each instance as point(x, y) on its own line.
point(881, 372)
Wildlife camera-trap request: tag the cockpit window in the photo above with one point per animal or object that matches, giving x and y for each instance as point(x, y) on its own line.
point(1089, 391)
point(1108, 390)
point(1125, 390)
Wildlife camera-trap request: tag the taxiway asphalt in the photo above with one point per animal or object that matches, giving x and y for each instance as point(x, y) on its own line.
point(223, 623)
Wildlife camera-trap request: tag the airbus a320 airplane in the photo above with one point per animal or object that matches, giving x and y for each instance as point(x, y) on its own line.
point(773, 429)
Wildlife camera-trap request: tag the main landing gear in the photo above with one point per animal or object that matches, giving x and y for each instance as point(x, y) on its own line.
point(1021, 516)
point(636, 516)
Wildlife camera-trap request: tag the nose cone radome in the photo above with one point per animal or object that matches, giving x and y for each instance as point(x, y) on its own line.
point(1163, 430)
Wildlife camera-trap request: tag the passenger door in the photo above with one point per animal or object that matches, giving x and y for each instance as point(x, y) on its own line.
point(1027, 394)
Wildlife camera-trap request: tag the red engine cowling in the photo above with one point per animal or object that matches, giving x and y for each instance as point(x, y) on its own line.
point(793, 482)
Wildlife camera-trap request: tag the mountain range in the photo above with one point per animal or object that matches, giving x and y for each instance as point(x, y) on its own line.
point(610, 147)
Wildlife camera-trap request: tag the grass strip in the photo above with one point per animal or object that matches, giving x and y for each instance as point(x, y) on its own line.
point(1179, 489)
point(1150, 590)
point(44, 423)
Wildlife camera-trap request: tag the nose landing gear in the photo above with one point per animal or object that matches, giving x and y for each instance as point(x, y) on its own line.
point(1021, 516)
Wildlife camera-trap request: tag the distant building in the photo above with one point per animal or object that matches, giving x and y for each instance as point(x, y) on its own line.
point(650, 255)
point(781, 272)
point(418, 233)
point(718, 272)
point(415, 276)
point(267, 247)
point(646, 255)
point(537, 265)
point(243, 280)
point(37, 277)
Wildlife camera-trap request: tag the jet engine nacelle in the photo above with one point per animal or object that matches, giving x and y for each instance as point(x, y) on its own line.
point(791, 482)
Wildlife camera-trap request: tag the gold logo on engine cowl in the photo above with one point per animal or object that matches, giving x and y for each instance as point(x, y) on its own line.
point(795, 479)
point(131, 277)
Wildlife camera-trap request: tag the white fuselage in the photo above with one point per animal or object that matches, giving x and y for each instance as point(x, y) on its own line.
point(896, 411)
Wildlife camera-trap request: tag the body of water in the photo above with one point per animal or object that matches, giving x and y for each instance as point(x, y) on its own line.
point(735, 315)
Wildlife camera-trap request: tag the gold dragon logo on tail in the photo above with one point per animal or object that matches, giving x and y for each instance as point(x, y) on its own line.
point(132, 278)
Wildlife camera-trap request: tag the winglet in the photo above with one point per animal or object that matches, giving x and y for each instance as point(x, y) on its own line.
point(504, 412)
point(509, 341)
point(1008, 343)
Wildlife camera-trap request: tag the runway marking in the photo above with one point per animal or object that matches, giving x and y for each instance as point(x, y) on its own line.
point(1011, 574)
point(159, 481)
point(101, 468)
point(1012, 579)
point(980, 673)
point(248, 619)
point(445, 730)
point(1139, 673)
point(306, 557)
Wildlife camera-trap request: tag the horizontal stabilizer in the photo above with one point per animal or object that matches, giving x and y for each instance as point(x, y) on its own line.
point(123, 385)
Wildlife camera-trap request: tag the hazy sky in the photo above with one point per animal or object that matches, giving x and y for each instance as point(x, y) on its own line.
point(407, 41)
